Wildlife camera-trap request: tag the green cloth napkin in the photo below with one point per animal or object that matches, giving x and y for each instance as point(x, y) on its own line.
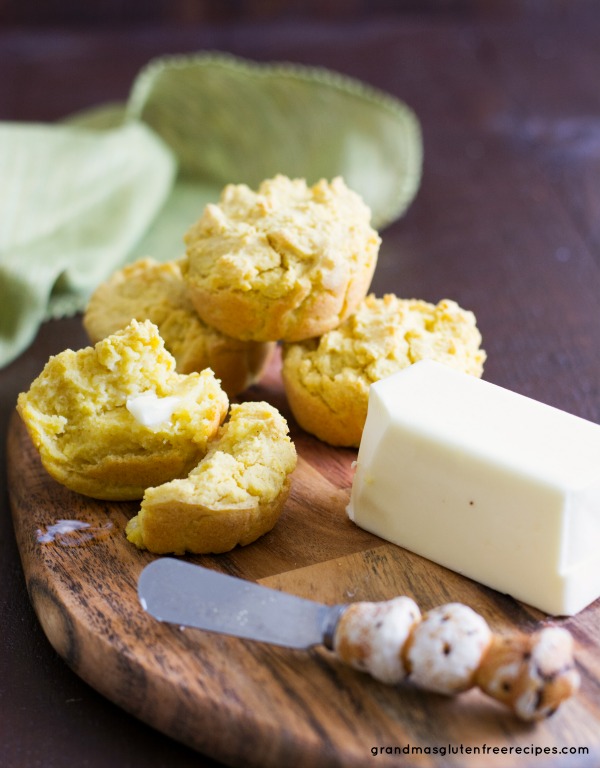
point(73, 204)
point(103, 188)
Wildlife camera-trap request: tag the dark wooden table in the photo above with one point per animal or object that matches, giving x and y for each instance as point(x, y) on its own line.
point(506, 223)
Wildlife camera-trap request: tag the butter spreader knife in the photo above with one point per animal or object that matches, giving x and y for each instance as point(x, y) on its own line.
point(448, 650)
point(179, 592)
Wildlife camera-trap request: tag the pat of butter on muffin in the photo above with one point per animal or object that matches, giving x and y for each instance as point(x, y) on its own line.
point(149, 410)
point(484, 481)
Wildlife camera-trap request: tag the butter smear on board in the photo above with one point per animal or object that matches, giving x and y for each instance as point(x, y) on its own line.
point(494, 485)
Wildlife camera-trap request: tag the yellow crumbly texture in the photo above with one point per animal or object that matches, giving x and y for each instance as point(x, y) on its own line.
point(150, 290)
point(285, 262)
point(327, 380)
point(77, 416)
point(234, 495)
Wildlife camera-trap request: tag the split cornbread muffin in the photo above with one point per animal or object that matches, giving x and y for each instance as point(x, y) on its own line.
point(234, 495)
point(111, 420)
point(327, 379)
point(285, 262)
point(150, 290)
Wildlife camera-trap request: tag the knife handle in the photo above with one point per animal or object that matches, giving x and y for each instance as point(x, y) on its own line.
point(450, 649)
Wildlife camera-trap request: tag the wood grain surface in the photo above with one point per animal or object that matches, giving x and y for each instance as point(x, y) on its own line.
point(251, 704)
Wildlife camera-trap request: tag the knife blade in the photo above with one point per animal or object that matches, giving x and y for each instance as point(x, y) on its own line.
point(179, 592)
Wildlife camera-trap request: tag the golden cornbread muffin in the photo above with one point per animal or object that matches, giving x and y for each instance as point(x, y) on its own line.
point(234, 495)
point(150, 290)
point(285, 262)
point(327, 380)
point(111, 420)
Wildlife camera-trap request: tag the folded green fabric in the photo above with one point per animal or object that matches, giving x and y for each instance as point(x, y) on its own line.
point(231, 120)
point(73, 204)
point(127, 180)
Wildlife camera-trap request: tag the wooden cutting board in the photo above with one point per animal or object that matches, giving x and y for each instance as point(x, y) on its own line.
point(250, 704)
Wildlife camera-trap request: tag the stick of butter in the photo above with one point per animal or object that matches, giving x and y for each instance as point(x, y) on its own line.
point(489, 483)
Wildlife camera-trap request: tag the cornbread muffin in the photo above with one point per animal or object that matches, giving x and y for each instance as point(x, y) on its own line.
point(286, 262)
point(234, 495)
point(150, 290)
point(113, 419)
point(327, 380)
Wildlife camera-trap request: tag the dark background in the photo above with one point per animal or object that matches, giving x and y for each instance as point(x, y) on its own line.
point(121, 12)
